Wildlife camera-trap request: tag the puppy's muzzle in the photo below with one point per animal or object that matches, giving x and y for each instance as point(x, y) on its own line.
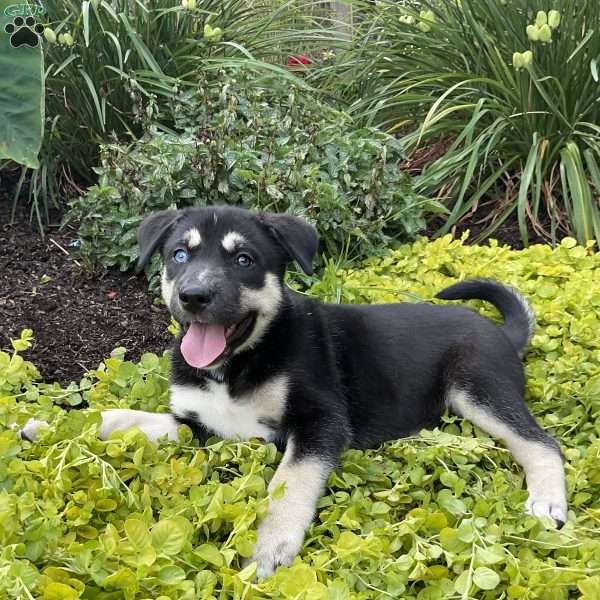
point(195, 299)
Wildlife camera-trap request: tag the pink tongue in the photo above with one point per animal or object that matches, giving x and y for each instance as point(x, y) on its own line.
point(203, 344)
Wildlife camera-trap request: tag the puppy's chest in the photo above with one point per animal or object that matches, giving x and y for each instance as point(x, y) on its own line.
point(254, 414)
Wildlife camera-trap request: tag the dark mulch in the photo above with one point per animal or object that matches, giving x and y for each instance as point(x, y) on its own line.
point(486, 212)
point(507, 233)
point(77, 318)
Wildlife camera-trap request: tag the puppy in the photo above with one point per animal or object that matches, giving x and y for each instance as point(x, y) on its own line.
point(257, 360)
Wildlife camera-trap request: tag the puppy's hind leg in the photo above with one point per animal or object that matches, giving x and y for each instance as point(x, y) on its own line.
point(506, 417)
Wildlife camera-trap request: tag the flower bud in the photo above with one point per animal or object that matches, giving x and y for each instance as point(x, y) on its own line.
point(533, 33)
point(66, 39)
point(527, 58)
point(212, 34)
point(428, 15)
point(554, 19)
point(50, 35)
point(517, 60)
point(541, 18)
point(545, 34)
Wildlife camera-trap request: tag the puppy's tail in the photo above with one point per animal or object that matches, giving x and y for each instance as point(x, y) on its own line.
point(519, 318)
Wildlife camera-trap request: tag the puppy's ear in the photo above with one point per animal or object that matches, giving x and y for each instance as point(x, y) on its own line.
point(298, 238)
point(151, 233)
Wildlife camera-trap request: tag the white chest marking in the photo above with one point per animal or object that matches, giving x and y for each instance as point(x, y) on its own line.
point(233, 418)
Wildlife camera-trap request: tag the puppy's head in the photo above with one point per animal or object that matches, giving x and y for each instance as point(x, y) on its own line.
point(223, 273)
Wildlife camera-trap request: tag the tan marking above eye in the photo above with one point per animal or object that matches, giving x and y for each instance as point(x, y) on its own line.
point(232, 241)
point(192, 238)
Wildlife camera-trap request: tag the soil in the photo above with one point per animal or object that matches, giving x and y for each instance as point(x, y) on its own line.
point(77, 318)
point(507, 233)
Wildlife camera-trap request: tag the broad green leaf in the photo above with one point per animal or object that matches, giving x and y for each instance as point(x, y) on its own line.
point(463, 583)
point(485, 578)
point(490, 555)
point(589, 587)
point(147, 556)
point(123, 579)
point(21, 93)
point(210, 554)
point(171, 575)
point(137, 533)
point(448, 501)
point(295, 580)
point(168, 537)
point(59, 591)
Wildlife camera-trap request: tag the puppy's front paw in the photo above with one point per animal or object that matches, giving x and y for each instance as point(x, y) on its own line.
point(548, 506)
point(30, 430)
point(276, 546)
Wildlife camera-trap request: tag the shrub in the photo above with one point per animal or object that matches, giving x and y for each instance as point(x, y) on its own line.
point(439, 515)
point(511, 92)
point(269, 148)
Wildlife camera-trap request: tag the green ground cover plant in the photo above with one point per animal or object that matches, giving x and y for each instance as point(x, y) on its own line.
point(437, 516)
point(261, 144)
point(508, 90)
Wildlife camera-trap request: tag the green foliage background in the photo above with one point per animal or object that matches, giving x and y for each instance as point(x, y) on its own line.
point(436, 516)
point(523, 140)
point(123, 63)
point(261, 143)
point(130, 58)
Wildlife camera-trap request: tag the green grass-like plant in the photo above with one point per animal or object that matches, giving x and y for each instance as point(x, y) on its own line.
point(437, 516)
point(509, 93)
point(112, 66)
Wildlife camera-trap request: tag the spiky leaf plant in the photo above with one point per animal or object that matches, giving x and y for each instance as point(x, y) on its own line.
point(510, 92)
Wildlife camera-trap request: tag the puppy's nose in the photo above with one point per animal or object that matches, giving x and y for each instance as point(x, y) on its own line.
point(196, 298)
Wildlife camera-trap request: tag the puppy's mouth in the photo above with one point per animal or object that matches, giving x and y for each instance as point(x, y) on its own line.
point(205, 343)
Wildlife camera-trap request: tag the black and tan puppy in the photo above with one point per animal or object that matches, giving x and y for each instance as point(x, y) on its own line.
point(258, 360)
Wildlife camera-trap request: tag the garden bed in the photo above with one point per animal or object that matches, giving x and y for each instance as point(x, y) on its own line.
point(77, 318)
point(438, 515)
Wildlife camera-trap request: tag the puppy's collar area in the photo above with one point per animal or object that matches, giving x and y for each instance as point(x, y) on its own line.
point(203, 344)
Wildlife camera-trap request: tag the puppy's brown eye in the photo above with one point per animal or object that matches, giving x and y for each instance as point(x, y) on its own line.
point(244, 260)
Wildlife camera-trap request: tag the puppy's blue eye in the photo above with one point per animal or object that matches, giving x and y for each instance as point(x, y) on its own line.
point(243, 260)
point(180, 256)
